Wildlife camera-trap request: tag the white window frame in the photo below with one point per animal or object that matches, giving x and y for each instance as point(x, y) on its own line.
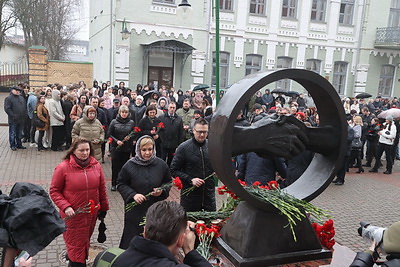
point(318, 10)
point(226, 5)
point(169, 2)
point(223, 67)
point(346, 12)
point(386, 79)
point(339, 78)
point(284, 63)
point(314, 65)
point(253, 67)
point(394, 14)
point(289, 9)
point(257, 5)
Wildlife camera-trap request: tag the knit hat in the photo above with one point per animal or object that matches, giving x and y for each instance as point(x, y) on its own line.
point(389, 118)
point(139, 97)
point(301, 114)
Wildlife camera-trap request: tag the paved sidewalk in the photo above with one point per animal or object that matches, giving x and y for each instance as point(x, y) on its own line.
point(371, 197)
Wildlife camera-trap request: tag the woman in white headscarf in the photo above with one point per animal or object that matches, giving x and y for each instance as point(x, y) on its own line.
point(143, 174)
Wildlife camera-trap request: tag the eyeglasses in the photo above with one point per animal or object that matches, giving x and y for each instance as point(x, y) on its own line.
point(201, 132)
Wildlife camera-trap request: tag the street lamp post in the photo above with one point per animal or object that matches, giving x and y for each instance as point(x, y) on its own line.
point(183, 6)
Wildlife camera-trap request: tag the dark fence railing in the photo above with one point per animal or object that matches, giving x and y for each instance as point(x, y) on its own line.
point(389, 35)
point(13, 73)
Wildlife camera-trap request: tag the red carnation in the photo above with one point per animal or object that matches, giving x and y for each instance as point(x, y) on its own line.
point(177, 182)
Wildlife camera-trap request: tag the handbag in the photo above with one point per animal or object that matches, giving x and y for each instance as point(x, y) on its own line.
point(36, 121)
point(356, 143)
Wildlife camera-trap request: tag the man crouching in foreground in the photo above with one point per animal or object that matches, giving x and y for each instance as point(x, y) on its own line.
point(166, 230)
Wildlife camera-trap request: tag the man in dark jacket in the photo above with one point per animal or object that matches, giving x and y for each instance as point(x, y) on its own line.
point(158, 247)
point(113, 111)
point(15, 107)
point(172, 135)
point(192, 164)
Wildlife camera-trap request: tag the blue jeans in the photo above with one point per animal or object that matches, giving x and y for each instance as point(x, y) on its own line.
point(15, 134)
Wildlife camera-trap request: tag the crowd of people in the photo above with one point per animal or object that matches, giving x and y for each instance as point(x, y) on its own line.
point(155, 134)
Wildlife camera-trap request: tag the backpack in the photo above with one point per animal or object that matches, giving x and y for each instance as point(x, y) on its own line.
point(107, 257)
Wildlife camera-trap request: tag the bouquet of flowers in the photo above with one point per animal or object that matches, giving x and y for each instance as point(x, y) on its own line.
point(175, 182)
point(90, 208)
point(325, 233)
point(206, 235)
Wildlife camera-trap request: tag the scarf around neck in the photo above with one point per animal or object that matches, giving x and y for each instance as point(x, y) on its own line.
point(82, 163)
point(138, 157)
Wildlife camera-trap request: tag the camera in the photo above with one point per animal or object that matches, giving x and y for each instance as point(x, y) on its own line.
point(372, 233)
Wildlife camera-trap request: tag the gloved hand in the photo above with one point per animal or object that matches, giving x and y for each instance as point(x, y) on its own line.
point(101, 214)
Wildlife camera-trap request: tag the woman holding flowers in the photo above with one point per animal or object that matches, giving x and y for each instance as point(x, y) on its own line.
point(142, 175)
point(76, 182)
point(121, 133)
point(151, 125)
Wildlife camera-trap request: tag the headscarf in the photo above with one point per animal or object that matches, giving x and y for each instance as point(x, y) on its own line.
point(138, 157)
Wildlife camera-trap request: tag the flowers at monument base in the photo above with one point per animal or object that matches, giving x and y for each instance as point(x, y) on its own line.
point(292, 208)
point(175, 182)
point(206, 235)
point(90, 208)
point(325, 233)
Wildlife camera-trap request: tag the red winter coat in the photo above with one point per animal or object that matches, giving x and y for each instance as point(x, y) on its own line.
point(73, 186)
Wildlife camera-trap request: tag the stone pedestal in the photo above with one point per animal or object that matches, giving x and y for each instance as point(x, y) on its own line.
point(253, 237)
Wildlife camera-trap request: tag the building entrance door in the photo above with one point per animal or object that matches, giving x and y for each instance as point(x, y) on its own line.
point(159, 76)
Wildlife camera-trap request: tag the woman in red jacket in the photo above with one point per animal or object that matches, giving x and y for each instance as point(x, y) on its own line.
point(77, 181)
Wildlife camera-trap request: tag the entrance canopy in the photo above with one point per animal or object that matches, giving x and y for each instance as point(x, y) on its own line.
point(164, 45)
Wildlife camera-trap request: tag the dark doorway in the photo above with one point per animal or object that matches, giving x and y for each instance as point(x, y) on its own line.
point(161, 76)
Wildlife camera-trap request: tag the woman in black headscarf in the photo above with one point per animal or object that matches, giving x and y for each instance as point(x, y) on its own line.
point(141, 175)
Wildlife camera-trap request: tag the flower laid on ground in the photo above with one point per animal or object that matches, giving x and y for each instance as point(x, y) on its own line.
point(187, 191)
point(133, 133)
point(90, 208)
point(175, 182)
point(325, 233)
point(206, 235)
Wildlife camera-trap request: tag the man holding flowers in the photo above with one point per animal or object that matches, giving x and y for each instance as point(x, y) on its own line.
point(192, 164)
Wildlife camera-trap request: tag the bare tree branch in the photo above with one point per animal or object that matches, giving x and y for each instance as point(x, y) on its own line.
point(7, 20)
point(46, 23)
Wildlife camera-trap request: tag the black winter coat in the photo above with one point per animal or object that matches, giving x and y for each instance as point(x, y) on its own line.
point(172, 135)
point(191, 161)
point(137, 179)
point(139, 112)
point(146, 125)
point(15, 107)
point(118, 129)
point(145, 252)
